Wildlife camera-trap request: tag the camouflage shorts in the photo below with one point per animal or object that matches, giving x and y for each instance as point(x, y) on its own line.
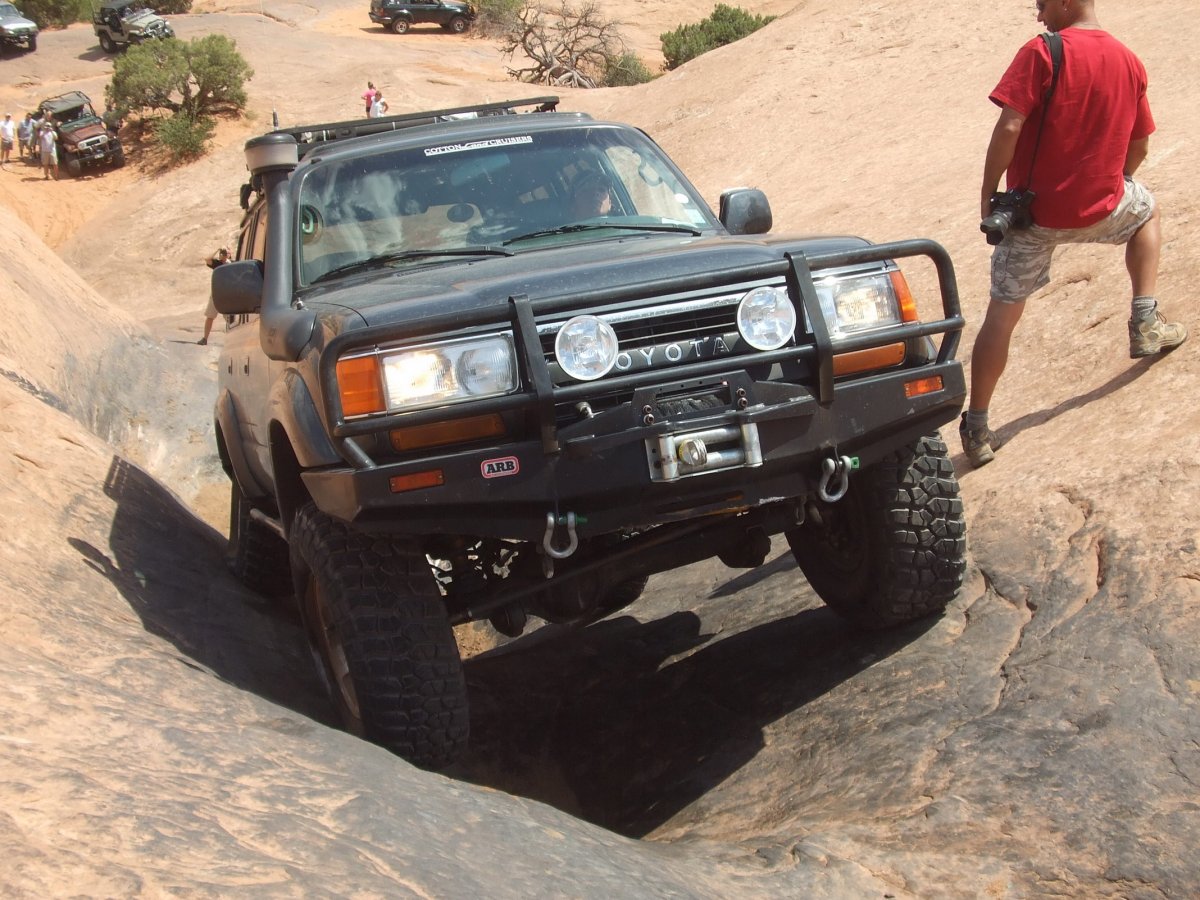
point(1021, 262)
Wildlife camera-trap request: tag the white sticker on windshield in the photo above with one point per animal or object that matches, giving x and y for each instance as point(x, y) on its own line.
point(479, 145)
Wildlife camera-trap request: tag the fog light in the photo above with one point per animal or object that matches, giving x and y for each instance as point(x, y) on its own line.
point(766, 318)
point(586, 348)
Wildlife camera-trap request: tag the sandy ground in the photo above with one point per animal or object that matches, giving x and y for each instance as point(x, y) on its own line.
point(869, 120)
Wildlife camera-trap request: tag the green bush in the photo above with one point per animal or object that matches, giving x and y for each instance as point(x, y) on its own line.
point(495, 17)
point(625, 70)
point(198, 78)
point(183, 137)
point(726, 25)
point(55, 13)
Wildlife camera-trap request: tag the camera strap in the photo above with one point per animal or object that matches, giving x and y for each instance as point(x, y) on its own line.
point(1054, 43)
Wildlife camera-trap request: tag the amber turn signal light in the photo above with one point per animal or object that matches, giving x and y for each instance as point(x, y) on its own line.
point(416, 480)
point(923, 386)
point(866, 360)
point(438, 434)
point(360, 386)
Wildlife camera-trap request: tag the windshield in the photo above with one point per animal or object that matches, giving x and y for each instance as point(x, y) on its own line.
point(7, 9)
point(417, 205)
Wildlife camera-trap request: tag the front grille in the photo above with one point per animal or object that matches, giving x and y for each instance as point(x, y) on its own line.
point(658, 333)
point(663, 332)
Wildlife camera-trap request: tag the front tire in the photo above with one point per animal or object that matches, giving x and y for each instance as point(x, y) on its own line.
point(893, 549)
point(257, 556)
point(72, 165)
point(400, 26)
point(457, 25)
point(107, 44)
point(379, 627)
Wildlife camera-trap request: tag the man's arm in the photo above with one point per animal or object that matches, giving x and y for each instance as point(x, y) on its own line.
point(1136, 155)
point(999, 154)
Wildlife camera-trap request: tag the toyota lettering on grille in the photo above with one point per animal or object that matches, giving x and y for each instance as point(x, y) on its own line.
point(655, 355)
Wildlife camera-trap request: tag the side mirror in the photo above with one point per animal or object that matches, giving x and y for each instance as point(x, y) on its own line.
point(237, 287)
point(745, 211)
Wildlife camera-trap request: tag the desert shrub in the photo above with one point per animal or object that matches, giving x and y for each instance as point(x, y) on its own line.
point(55, 13)
point(183, 137)
point(566, 45)
point(725, 25)
point(494, 18)
point(625, 70)
point(198, 78)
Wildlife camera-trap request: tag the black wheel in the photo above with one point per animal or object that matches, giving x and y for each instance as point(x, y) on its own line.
point(385, 646)
point(400, 26)
point(33, 43)
point(257, 555)
point(457, 25)
point(106, 43)
point(72, 165)
point(118, 159)
point(893, 549)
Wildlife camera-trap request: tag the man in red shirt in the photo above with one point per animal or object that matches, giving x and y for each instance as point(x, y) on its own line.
point(1094, 135)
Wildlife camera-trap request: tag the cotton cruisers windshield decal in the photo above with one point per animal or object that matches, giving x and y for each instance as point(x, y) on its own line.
point(479, 145)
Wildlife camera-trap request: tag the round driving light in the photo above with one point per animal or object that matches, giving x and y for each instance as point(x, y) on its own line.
point(586, 348)
point(766, 318)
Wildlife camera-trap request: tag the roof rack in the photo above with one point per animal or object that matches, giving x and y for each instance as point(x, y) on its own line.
point(310, 136)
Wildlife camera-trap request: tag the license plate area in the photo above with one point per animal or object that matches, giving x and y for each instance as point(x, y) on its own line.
point(686, 454)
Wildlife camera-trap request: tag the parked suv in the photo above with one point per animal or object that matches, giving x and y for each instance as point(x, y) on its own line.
point(119, 23)
point(84, 140)
point(15, 29)
point(502, 365)
point(400, 15)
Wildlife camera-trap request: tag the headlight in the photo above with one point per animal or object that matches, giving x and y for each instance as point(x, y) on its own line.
point(766, 318)
point(586, 348)
point(857, 304)
point(430, 375)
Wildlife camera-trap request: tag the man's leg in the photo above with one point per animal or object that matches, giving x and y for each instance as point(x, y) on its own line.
point(990, 355)
point(988, 360)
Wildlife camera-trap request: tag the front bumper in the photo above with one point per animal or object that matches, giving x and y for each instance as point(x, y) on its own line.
point(607, 475)
point(609, 469)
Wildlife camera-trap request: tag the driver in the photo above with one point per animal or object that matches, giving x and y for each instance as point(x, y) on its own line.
point(591, 196)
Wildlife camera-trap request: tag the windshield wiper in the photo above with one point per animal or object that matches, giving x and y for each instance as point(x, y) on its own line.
point(606, 226)
point(385, 259)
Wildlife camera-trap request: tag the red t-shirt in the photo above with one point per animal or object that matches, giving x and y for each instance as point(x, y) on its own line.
point(1098, 107)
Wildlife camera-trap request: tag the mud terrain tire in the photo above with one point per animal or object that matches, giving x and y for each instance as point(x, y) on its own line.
point(378, 625)
point(893, 549)
point(107, 44)
point(257, 556)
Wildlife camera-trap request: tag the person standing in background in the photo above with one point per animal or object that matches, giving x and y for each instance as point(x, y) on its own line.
point(369, 97)
point(379, 107)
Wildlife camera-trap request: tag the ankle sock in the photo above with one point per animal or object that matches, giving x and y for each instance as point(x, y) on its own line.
point(976, 419)
point(1143, 308)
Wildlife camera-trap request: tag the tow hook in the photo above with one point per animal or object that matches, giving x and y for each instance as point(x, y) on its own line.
point(835, 477)
point(552, 523)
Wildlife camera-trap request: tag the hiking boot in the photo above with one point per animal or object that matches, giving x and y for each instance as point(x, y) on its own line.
point(202, 341)
point(1150, 336)
point(979, 444)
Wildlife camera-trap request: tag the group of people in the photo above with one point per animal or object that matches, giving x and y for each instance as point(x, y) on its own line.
point(376, 107)
point(32, 136)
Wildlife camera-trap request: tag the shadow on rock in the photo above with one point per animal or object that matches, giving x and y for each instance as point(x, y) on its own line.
point(170, 568)
point(626, 723)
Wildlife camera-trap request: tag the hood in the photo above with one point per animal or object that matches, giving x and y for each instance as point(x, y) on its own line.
point(16, 23)
point(394, 296)
point(145, 21)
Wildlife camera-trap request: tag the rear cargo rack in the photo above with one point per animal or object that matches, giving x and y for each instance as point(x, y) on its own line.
point(311, 136)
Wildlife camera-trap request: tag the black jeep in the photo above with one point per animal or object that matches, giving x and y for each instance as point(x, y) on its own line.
point(400, 15)
point(510, 364)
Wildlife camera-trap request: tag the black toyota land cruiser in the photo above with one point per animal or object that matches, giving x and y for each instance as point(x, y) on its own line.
point(502, 362)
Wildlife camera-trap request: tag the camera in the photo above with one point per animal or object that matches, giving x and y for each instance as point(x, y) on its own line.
point(1009, 210)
